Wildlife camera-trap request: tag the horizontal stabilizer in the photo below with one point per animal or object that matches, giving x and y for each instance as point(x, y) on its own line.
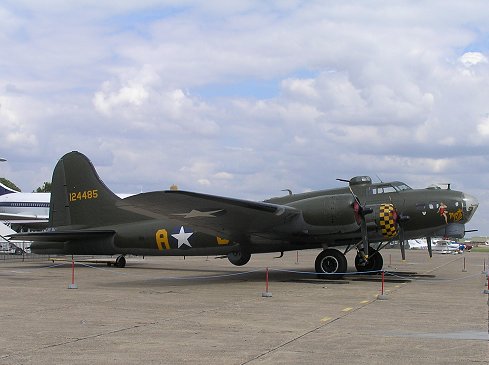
point(63, 236)
point(20, 218)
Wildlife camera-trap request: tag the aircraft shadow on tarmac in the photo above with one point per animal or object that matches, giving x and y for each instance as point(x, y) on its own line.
point(220, 276)
point(187, 276)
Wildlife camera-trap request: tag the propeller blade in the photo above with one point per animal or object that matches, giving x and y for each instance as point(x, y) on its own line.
point(428, 241)
point(365, 238)
point(401, 243)
point(360, 213)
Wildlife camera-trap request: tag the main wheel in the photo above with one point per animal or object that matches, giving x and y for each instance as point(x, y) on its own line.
point(374, 262)
point(239, 258)
point(120, 261)
point(331, 263)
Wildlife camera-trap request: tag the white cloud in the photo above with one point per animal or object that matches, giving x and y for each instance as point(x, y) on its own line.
point(17, 133)
point(302, 88)
point(470, 59)
point(105, 100)
point(223, 176)
point(483, 127)
point(132, 89)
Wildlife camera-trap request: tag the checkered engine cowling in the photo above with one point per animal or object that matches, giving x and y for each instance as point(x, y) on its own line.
point(388, 220)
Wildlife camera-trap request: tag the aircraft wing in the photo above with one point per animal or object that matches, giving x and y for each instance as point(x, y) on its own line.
point(229, 218)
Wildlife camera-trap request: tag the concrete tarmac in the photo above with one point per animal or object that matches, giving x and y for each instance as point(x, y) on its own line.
point(171, 310)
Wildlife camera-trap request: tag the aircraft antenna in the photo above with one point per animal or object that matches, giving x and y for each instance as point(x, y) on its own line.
point(288, 190)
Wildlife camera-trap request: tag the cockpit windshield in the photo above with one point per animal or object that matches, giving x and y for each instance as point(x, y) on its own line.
point(387, 188)
point(401, 186)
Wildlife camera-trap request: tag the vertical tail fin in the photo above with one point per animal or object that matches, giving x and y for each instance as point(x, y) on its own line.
point(79, 197)
point(6, 190)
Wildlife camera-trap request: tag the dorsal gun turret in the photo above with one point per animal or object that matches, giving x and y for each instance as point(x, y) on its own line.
point(360, 180)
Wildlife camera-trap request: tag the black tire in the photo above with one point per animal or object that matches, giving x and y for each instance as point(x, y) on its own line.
point(18, 251)
point(120, 261)
point(331, 264)
point(375, 261)
point(239, 258)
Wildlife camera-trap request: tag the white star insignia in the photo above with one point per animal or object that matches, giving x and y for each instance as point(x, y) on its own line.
point(182, 237)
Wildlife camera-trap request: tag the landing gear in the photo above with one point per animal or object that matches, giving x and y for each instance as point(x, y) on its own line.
point(239, 258)
point(331, 264)
point(373, 263)
point(120, 261)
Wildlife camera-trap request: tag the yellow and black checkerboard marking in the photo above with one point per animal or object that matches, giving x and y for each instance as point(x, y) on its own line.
point(387, 223)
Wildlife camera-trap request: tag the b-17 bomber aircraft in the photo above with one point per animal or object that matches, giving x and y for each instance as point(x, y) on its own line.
point(85, 217)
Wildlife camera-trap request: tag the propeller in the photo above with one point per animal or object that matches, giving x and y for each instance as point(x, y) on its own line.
point(400, 220)
point(401, 243)
point(428, 241)
point(360, 213)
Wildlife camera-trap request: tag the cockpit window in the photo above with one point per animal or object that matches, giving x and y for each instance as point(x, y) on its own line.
point(389, 188)
point(402, 187)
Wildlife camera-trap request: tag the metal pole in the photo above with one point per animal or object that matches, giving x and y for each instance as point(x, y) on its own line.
point(72, 270)
point(266, 294)
point(72, 285)
point(266, 280)
point(382, 282)
point(382, 296)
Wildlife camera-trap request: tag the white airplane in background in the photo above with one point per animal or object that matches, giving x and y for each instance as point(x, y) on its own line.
point(445, 246)
point(30, 209)
point(418, 244)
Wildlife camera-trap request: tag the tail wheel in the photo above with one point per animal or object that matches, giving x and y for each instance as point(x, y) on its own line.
point(331, 263)
point(239, 258)
point(374, 262)
point(120, 261)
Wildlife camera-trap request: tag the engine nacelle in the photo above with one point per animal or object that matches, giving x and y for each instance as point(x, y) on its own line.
point(327, 210)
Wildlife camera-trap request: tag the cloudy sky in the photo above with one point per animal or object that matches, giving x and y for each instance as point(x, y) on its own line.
point(245, 98)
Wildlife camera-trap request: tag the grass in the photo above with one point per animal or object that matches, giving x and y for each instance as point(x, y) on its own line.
point(481, 249)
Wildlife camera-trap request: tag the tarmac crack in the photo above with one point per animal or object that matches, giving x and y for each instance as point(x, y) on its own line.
point(74, 340)
point(286, 343)
point(108, 333)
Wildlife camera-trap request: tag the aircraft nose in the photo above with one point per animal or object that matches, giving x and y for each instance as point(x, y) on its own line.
point(470, 203)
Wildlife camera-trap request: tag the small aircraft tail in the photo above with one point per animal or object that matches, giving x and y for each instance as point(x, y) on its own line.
point(6, 190)
point(80, 199)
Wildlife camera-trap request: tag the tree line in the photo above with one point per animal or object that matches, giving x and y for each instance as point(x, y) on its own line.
point(44, 188)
